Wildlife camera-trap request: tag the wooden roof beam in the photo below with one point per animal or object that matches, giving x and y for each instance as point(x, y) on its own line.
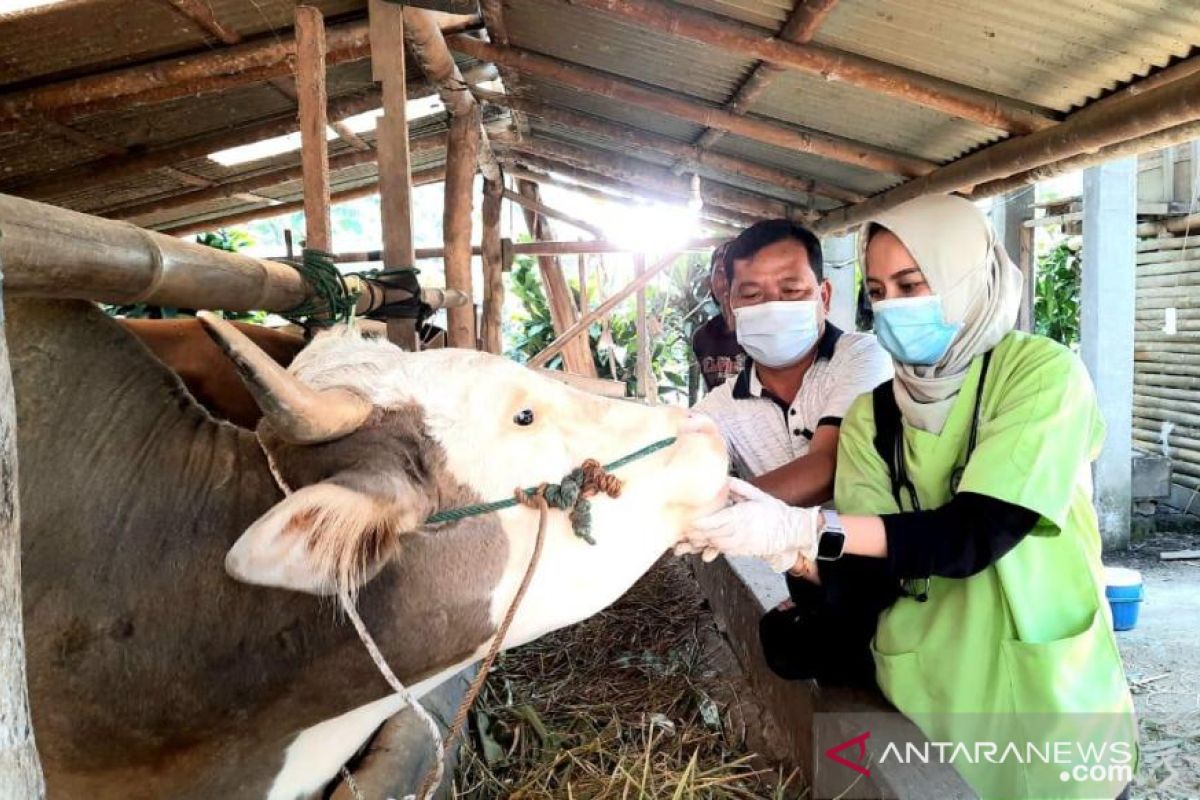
point(738, 38)
point(607, 190)
point(680, 106)
point(118, 166)
point(637, 139)
point(799, 28)
point(201, 15)
point(253, 183)
point(428, 46)
point(667, 183)
point(631, 178)
point(242, 217)
point(1105, 123)
point(173, 78)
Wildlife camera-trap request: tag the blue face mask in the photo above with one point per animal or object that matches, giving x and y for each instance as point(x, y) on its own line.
point(914, 329)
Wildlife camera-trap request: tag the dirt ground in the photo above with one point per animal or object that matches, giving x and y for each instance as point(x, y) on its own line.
point(1162, 662)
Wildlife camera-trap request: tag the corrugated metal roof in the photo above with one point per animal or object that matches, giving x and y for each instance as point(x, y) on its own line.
point(622, 49)
point(855, 113)
point(107, 34)
point(1056, 54)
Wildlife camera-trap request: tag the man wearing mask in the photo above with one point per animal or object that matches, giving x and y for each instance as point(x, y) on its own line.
point(780, 417)
point(714, 343)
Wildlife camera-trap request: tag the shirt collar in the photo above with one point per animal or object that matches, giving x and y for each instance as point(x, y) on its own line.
point(748, 385)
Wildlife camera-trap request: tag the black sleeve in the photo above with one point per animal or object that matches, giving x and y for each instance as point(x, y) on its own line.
point(959, 539)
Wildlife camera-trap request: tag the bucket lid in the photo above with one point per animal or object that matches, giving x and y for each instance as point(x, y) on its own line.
point(1122, 576)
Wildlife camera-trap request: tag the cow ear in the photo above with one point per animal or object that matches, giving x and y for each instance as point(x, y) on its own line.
point(322, 539)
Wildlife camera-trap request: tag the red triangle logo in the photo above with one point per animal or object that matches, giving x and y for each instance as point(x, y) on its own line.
point(857, 765)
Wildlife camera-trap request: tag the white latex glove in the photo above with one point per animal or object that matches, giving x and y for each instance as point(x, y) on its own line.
point(757, 524)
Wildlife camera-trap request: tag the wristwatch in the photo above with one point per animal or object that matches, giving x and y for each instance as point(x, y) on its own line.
point(831, 540)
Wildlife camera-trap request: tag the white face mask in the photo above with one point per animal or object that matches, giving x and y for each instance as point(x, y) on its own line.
point(777, 334)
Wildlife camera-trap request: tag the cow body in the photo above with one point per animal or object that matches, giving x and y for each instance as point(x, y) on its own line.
point(153, 674)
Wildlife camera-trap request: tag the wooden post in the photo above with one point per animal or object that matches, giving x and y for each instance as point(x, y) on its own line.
point(462, 150)
point(646, 385)
point(395, 169)
point(555, 347)
point(493, 267)
point(581, 265)
point(1028, 264)
point(314, 152)
point(20, 769)
point(577, 356)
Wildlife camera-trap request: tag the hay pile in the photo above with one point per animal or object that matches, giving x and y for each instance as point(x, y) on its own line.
point(628, 704)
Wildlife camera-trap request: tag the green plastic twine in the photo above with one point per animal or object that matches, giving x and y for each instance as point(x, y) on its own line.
point(333, 301)
point(563, 495)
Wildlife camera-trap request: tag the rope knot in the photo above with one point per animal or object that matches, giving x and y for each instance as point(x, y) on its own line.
point(572, 494)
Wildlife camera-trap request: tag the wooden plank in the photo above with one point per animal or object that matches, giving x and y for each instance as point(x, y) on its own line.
point(577, 356)
point(647, 387)
point(314, 152)
point(555, 347)
point(1178, 555)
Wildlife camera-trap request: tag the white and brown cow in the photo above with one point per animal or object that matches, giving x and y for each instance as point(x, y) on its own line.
point(154, 674)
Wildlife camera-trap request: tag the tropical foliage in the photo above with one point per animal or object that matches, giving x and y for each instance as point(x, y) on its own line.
point(1056, 300)
point(674, 310)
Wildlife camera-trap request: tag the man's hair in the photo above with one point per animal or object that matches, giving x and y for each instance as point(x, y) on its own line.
point(768, 232)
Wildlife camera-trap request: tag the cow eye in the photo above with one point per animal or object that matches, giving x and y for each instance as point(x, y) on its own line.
point(524, 417)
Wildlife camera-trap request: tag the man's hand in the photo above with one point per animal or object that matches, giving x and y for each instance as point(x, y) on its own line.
point(756, 525)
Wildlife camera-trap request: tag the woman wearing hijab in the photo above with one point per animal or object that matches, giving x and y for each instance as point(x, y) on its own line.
point(968, 478)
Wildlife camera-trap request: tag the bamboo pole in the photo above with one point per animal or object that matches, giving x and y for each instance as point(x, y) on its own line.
point(314, 152)
point(493, 267)
point(725, 34)
point(585, 322)
point(634, 139)
point(1087, 129)
point(540, 208)
point(577, 355)
point(388, 67)
point(660, 179)
point(462, 150)
point(177, 77)
point(675, 105)
point(435, 175)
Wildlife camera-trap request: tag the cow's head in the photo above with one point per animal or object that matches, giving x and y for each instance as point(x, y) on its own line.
point(373, 440)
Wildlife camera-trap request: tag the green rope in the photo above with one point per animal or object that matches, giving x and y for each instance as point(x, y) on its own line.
point(332, 302)
point(567, 494)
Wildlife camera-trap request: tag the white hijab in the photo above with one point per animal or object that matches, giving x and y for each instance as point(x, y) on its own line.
point(980, 287)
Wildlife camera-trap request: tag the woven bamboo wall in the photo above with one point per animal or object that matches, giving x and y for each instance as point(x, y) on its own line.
point(1166, 383)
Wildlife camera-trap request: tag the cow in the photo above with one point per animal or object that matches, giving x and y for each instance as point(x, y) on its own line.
point(181, 637)
point(195, 358)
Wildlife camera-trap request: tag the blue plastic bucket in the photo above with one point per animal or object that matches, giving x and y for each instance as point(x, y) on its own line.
point(1123, 588)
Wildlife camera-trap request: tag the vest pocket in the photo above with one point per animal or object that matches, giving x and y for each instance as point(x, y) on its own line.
point(901, 679)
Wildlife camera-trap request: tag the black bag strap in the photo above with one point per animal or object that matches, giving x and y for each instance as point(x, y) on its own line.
point(887, 430)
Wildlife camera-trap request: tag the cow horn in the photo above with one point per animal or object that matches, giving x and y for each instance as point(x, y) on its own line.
point(298, 413)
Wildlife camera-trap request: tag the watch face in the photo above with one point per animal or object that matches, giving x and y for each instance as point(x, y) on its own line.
point(831, 545)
